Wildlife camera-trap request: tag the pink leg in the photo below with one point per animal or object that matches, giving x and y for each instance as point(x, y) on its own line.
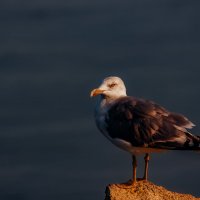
point(134, 164)
point(146, 158)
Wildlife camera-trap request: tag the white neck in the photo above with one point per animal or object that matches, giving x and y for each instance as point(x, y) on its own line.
point(113, 97)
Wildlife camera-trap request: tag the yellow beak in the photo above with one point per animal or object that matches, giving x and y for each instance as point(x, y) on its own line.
point(96, 92)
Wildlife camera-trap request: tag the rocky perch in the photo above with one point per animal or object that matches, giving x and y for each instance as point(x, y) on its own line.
point(143, 190)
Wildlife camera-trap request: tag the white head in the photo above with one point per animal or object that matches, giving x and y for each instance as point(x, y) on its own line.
point(111, 88)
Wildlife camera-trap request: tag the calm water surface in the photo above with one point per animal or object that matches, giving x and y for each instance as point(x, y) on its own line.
point(52, 54)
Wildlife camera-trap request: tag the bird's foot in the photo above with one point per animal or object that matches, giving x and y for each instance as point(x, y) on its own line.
point(129, 184)
point(142, 179)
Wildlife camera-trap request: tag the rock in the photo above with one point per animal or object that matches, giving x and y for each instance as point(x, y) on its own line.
point(143, 190)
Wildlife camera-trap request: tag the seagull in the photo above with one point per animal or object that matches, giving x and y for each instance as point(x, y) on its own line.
point(139, 126)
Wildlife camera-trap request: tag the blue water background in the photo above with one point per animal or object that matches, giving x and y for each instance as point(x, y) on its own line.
point(52, 53)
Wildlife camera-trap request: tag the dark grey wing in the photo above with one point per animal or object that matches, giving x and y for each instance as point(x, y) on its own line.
point(180, 120)
point(144, 123)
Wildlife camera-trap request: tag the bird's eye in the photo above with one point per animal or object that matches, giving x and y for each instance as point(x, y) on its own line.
point(112, 85)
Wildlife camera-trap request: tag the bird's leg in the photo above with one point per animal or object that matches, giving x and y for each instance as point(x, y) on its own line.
point(146, 158)
point(132, 182)
point(134, 164)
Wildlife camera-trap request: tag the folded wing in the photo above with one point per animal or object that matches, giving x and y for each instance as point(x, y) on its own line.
point(146, 124)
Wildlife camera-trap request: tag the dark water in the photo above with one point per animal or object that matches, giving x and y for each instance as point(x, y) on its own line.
point(52, 53)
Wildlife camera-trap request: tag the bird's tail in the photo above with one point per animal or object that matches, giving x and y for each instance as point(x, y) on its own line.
point(193, 142)
point(198, 143)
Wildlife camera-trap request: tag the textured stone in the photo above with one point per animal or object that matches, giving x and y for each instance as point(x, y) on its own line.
point(143, 190)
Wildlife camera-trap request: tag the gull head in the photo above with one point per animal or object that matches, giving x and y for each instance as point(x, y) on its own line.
point(111, 88)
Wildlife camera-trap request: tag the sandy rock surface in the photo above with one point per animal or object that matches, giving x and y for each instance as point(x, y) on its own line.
point(143, 190)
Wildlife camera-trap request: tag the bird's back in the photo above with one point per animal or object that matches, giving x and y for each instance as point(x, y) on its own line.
point(143, 123)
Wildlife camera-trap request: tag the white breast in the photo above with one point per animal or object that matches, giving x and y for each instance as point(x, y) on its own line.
point(100, 116)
